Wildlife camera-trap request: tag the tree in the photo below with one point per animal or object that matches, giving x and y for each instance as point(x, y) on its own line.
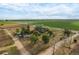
point(41, 29)
point(36, 33)
point(67, 32)
point(45, 38)
point(17, 32)
point(28, 27)
point(23, 31)
point(33, 39)
point(50, 33)
point(6, 20)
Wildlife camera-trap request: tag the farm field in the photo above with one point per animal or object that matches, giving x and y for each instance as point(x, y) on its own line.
point(10, 51)
point(5, 40)
point(70, 24)
point(7, 44)
point(29, 34)
point(39, 28)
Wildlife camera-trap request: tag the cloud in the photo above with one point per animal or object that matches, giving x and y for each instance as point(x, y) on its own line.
point(56, 10)
point(39, 10)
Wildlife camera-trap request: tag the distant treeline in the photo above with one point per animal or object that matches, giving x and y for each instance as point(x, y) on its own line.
point(39, 19)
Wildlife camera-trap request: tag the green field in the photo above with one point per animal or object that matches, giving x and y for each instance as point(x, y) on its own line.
point(66, 24)
point(74, 25)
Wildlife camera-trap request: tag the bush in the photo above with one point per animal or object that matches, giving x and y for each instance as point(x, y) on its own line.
point(45, 38)
point(40, 29)
point(33, 38)
point(50, 33)
point(28, 27)
point(36, 33)
point(2, 24)
point(67, 33)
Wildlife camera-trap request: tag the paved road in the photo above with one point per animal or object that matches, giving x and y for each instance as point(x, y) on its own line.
point(49, 51)
point(18, 44)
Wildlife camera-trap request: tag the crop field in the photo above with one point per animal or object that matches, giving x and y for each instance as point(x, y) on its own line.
point(5, 40)
point(70, 24)
point(61, 24)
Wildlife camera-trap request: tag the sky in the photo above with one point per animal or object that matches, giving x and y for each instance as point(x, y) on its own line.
point(39, 11)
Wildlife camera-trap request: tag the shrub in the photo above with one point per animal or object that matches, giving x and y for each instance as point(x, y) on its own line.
point(50, 33)
point(45, 38)
point(33, 39)
point(67, 33)
point(40, 29)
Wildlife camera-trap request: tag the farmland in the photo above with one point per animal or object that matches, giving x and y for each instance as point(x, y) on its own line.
point(31, 35)
point(5, 40)
point(65, 24)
